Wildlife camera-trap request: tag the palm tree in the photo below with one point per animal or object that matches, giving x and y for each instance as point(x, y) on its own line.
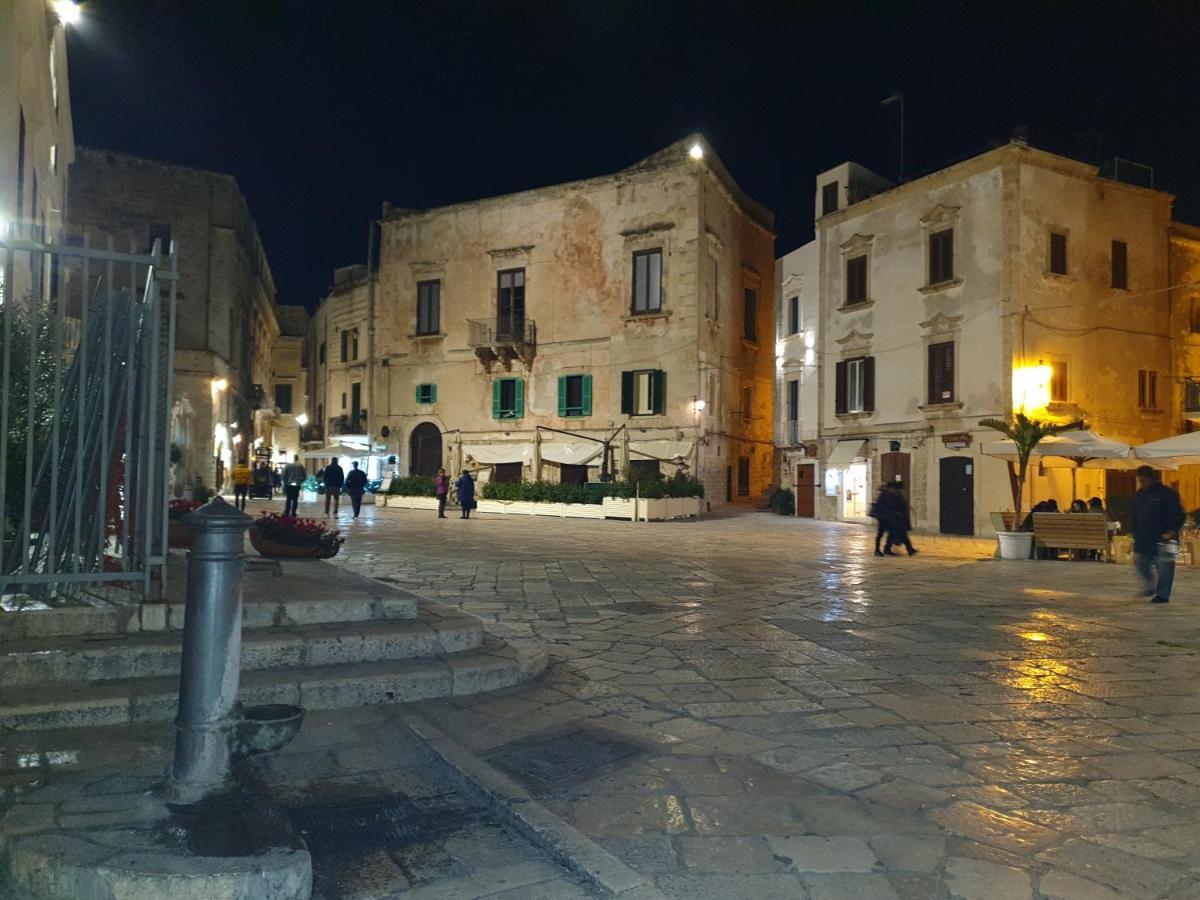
point(1026, 434)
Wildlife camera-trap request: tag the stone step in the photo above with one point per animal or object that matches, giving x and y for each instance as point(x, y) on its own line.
point(491, 666)
point(437, 630)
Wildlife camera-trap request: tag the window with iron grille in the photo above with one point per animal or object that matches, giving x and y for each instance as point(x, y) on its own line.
point(941, 256)
point(429, 307)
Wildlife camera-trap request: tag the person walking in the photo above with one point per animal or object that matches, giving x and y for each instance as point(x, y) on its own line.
point(242, 476)
point(294, 475)
point(356, 486)
point(900, 524)
point(881, 511)
point(441, 488)
point(465, 487)
point(333, 476)
point(1157, 517)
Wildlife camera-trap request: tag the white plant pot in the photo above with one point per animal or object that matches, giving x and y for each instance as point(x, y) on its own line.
point(1015, 544)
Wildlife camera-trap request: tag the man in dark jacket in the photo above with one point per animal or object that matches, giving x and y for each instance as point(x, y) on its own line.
point(1157, 518)
point(899, 523)
point(334, 477)
point(356, 486)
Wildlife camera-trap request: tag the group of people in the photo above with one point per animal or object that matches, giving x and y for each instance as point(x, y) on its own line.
point(464, 488)
point(892, 519)
point(334, 478)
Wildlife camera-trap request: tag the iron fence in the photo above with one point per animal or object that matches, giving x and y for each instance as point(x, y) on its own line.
point(88, 336)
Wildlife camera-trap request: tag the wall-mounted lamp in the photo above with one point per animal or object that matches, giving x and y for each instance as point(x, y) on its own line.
point(698, 405)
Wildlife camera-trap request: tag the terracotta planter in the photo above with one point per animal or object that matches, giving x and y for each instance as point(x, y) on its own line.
point(178, 534)
point(274, 550)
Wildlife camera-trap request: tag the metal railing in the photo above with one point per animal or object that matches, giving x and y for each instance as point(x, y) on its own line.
point(503, 332)
point(88, 360)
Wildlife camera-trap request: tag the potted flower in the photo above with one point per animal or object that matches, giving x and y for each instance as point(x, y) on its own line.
point(290, 537)
point(179, 535)
point(1026, 434)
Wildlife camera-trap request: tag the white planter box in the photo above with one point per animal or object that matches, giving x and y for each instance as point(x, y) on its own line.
point(583, 510)
point(617, 508)
point(659, 510)
point(399, 502)
point(611, 508)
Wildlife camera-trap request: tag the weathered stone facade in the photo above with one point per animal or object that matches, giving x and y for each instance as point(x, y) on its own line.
point(37, 142)
point(673, 365)
point(227, 321)
point(1030, 275)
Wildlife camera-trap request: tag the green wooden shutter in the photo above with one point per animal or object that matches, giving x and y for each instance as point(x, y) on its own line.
point(419, 400)
point(562, 396)
point(433, 393)
point(627, 393)
point(519, 398)
point(495, 399)
point(658, 392)
point(587, 395)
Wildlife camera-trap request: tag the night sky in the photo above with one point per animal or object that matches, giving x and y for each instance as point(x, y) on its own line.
point(324, 110)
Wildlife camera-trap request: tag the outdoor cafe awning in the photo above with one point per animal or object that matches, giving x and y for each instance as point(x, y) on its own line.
point(570, 453)
point(666, 451)
point(492, 454)
point(341, 451)
point(845, 453)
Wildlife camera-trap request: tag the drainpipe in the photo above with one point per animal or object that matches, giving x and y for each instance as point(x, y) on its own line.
point(370, 337)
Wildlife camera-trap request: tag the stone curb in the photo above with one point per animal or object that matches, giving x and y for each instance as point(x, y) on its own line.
point(564, 843)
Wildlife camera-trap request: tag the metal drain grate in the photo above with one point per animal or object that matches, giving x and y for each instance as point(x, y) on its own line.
point(563, 757)
point(640, 607)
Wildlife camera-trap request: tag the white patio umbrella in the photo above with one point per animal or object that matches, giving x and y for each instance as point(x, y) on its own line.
point(1181, 450)
point(1074, 450)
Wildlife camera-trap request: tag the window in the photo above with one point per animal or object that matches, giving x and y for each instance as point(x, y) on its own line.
point(941, 373)
point(747, 403)
point(574, 395)
point(321, 354)
point(283, 398)
point(713, 292)
point(829, 198)
point(510, 304)
point(743, 476)
point(1120, 265)
point(793, 411)
point(343, 399)
point(941, 256)
point(644, 393)
point(427, 393)
point(1058, 382)
point(1147, 389)
point(647, 281)
point(354, 344)
point(1058, 253)
point(508, 398)
point(429, 307)
point(1191, 396)
point(793, 315)
point(345, 346)
point(158, 231)
point(854, 385)
point(750, 314)
point(856, 280)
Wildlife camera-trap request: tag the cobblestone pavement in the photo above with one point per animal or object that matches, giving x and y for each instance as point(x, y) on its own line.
point(814, 721)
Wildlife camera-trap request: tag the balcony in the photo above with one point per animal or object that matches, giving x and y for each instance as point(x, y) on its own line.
point(312, 434)
point(503, 340)
point(348, 424)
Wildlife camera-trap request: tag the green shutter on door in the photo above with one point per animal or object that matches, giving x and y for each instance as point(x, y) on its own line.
point(627, 393)
point(587, 395)
point(519, 401)
point(433, 393)
point(496, 400)
point(658, 395)
point(562, 396)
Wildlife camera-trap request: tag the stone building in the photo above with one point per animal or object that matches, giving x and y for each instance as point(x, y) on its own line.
point(1016, 277)
point(634, 308)
point(797, 372)
point(37, 142)
point(228, 323)
point(338, 369)
point(281, 428)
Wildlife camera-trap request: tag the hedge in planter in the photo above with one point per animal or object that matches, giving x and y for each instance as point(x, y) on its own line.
point(414, 486)
point(655, 487)
point(539, 492)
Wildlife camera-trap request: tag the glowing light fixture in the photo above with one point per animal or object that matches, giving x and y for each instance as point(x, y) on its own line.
point(302, 419)
point(237, 439)
point(698, 405)
point(1031, 387)
point(697, 152)
point(219, 384)
point(68, 12)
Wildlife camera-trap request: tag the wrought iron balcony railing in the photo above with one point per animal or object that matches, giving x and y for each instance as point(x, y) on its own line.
point(503, 339)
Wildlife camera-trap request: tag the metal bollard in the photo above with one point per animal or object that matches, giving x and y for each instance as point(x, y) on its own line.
point(212, 648)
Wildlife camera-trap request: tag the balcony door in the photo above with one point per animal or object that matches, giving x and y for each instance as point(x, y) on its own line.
point(355, 405)
point(510, 304)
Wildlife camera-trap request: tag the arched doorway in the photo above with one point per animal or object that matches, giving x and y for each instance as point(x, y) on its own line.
point(425, 450)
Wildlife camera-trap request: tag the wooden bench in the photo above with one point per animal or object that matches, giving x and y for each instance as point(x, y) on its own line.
point(1071, 531)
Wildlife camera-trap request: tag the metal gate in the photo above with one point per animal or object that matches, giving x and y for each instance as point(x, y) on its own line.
point(88, 359)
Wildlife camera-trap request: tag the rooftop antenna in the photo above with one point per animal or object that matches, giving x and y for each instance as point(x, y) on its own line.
point(897, 97)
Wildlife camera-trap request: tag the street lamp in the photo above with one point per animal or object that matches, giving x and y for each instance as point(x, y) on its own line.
point(68, 12)
point(302, 419)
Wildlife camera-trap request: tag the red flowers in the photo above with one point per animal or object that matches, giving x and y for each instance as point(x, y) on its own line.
point(177, 509)
point(296, 532)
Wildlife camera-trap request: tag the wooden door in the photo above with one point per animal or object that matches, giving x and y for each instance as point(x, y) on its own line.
point(895, 466)
point(957, 495)
point(806, 488)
